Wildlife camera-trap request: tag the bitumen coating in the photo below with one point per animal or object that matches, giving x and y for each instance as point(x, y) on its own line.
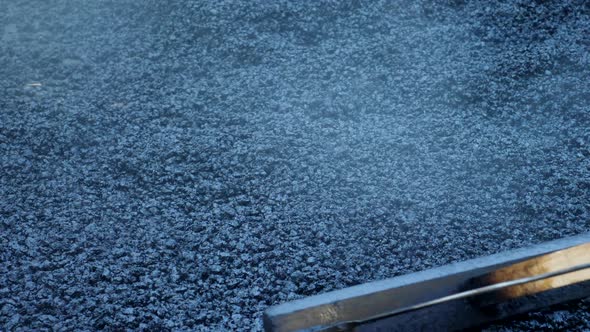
point(183, 165)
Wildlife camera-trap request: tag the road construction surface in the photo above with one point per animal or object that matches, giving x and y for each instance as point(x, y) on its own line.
point(182, 165)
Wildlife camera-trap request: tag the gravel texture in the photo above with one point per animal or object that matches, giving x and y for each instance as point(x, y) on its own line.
point(182, 165)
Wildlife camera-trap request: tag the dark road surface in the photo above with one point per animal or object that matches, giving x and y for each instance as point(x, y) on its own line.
point(182, 165)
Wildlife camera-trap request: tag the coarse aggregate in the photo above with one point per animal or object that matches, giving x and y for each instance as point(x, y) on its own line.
point(183, 165)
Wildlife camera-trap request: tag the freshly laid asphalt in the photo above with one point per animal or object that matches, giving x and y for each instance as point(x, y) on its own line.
point(183, 165)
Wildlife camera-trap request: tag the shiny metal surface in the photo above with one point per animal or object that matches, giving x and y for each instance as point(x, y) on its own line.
point(546, 264)
point(528, 285)
point(496, 287)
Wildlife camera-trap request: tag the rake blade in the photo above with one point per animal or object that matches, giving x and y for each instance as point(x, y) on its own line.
point(452, 297)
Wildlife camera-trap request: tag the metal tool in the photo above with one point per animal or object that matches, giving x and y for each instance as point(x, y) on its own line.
point(453, 297)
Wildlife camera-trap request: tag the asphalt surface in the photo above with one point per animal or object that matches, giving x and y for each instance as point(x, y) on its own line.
point(182, 165)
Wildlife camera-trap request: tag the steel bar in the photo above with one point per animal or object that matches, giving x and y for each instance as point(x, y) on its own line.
point(449, 297)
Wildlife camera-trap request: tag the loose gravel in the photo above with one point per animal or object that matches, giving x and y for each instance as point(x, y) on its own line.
point(182, 165)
